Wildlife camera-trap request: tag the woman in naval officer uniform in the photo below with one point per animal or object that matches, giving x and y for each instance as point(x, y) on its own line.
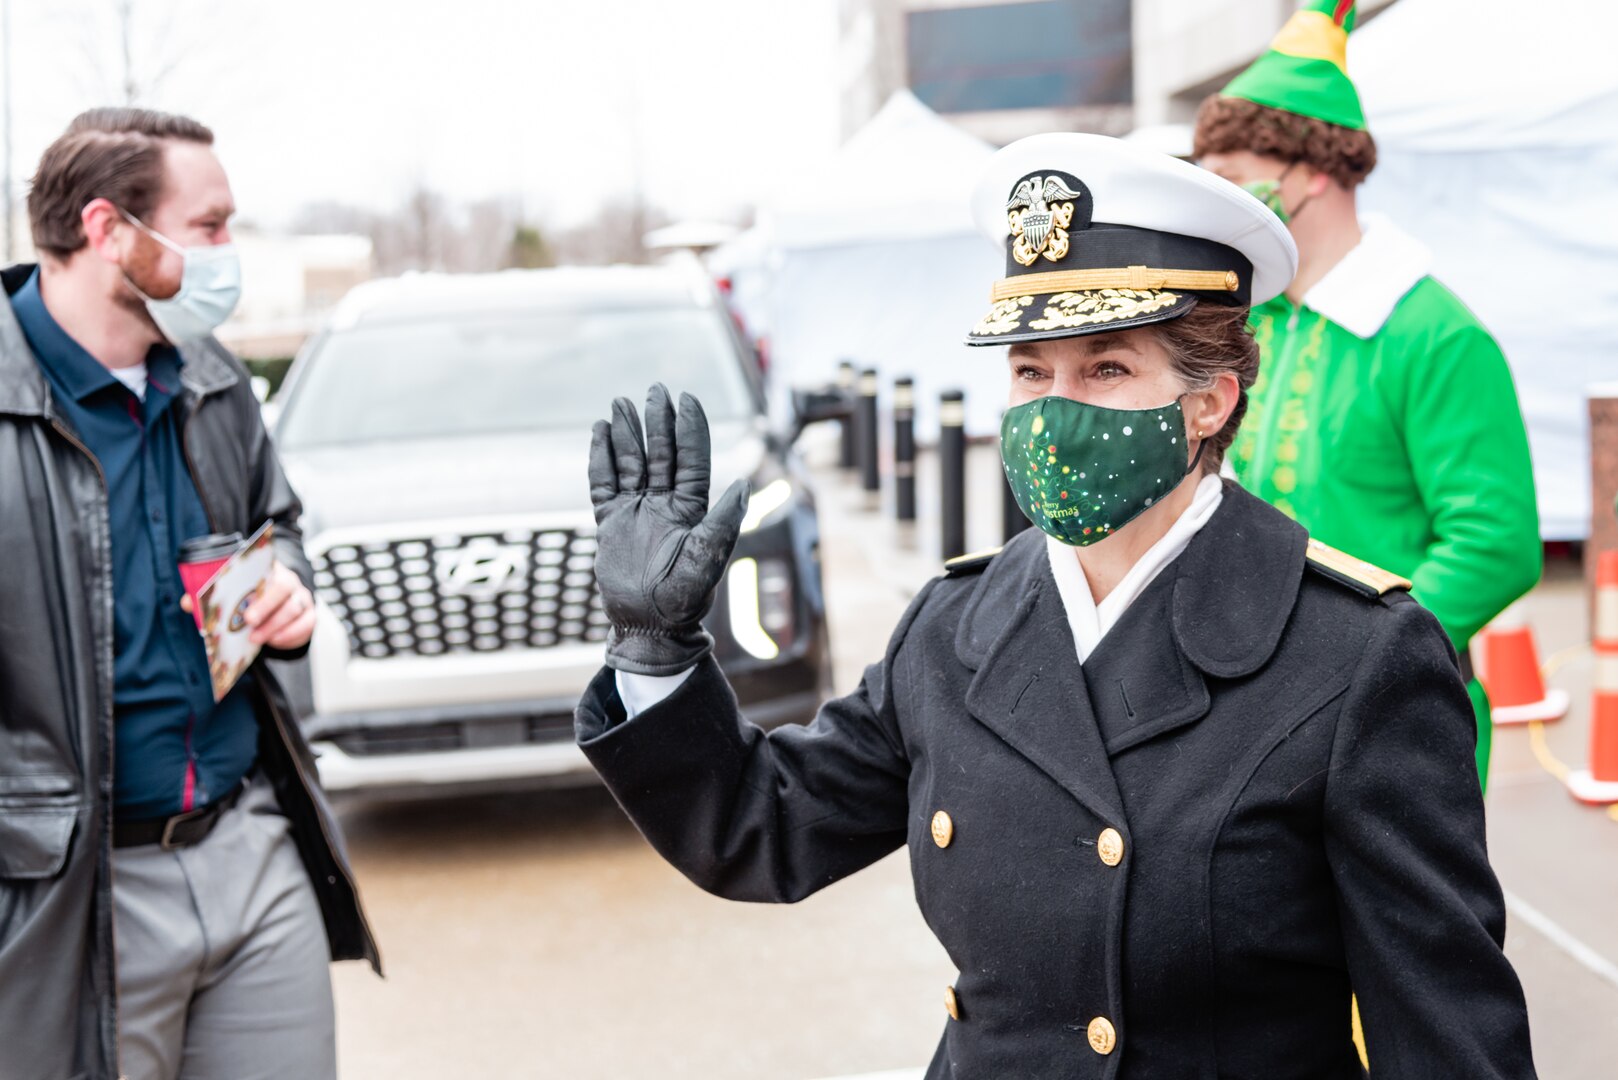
point(1175, 782)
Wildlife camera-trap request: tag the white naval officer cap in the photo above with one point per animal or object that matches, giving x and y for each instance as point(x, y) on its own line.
point(1102, 235)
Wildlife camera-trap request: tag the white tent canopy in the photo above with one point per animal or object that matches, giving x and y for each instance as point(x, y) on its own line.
point(906, 174)
point(1497, 137)
point(695, 235)
point(872, 257)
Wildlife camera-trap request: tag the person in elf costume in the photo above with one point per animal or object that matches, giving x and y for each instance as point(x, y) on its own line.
point(1384, 418)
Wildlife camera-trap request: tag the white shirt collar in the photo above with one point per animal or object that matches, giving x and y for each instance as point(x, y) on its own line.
point(1091, 621)
point(1361, 291)
point(133, 377)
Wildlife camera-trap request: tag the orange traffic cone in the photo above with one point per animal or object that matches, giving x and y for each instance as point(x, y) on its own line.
point(1599, 783)
point(1509, 668)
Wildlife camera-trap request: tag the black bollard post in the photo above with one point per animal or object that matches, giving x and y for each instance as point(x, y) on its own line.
point(904, 449)
point(1012, 519)
point(870, 466)
point(845, 383)
point(952, 471)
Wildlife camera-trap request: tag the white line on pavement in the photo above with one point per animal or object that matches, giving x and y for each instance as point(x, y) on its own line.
point(1588, 958)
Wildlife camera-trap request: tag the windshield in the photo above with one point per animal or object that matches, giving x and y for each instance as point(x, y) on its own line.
point(481, 374)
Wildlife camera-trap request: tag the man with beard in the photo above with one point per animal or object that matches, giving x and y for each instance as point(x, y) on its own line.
point(130, 800)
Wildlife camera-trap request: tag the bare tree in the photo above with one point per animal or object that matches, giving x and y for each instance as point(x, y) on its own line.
point(329, 216)
point(427, 215)
point(615, 235)
point(428, 232)
point(130, 50)
point(485, 239)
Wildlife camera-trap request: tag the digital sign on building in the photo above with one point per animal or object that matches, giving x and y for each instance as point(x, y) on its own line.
point(1043, 54)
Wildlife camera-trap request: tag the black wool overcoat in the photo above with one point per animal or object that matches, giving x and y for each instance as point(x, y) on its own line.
point(1176, 862)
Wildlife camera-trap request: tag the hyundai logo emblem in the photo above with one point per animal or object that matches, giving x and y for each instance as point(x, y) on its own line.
point(482, 569)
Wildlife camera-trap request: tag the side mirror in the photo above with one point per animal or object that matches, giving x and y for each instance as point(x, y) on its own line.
point(811, 406)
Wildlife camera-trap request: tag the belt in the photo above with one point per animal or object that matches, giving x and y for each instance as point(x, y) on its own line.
point(181, 830)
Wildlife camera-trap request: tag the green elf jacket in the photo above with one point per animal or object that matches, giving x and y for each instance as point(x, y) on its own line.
point(1385, 420)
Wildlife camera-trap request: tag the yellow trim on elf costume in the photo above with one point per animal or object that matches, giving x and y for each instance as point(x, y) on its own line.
point(1313, 35)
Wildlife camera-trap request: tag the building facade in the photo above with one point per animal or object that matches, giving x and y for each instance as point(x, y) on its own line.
point(1002, 69)
point(1187, 49)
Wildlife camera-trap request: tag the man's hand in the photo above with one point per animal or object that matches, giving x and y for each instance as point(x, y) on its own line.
point(660, 552)
point(283, 616)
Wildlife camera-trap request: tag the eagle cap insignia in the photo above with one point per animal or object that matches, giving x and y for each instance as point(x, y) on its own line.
point(1042, 211)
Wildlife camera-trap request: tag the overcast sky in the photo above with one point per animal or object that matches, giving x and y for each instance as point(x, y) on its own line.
point(360, 100)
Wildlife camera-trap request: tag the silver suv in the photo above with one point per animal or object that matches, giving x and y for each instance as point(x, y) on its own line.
point(437, 433)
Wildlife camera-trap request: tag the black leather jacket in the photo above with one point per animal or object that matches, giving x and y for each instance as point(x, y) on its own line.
point(57, 984)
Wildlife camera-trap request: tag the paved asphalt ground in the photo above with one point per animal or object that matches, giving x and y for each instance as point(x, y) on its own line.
point(536, 935)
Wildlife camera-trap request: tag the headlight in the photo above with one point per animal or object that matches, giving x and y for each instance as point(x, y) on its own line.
point(766, 501)
point(761, 605)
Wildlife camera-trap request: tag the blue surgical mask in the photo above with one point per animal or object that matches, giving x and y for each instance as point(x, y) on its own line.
point(210, 288)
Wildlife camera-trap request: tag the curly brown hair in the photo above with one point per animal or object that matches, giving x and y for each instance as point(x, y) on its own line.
point(1205, 342)
point(1229, 124)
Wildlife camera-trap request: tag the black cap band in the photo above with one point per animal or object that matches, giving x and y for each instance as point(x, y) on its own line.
point(1102, 246)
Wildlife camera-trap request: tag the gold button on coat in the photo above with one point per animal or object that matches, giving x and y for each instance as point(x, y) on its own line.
point(943, 829)
point(1103, 1037)
point(951, 1004)
point(1110, 846)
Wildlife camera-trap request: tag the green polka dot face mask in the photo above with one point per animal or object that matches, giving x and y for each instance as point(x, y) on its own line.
point(1082, 472)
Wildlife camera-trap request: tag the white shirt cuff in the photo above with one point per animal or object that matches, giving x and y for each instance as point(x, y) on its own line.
point(641, 692)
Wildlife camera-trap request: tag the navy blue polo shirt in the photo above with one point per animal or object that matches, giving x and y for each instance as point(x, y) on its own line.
point(174, 749)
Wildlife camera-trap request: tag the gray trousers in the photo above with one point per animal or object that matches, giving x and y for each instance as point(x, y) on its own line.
point(222, 955)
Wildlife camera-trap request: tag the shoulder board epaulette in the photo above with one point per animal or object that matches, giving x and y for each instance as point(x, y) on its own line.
point(1357, 574)
point(969, 564)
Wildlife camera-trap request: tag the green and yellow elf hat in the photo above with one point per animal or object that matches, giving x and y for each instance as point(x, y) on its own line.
point(1305, 71)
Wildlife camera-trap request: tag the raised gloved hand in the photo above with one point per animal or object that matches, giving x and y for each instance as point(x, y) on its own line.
point(660, 550)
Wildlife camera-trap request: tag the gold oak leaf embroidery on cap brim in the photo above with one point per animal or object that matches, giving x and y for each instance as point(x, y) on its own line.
point(1004, 317)
point(1065, 310)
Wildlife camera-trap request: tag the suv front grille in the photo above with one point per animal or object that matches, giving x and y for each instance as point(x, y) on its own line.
point(464, 592)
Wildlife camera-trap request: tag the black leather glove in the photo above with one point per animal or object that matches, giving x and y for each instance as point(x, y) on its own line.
point(660, 550)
